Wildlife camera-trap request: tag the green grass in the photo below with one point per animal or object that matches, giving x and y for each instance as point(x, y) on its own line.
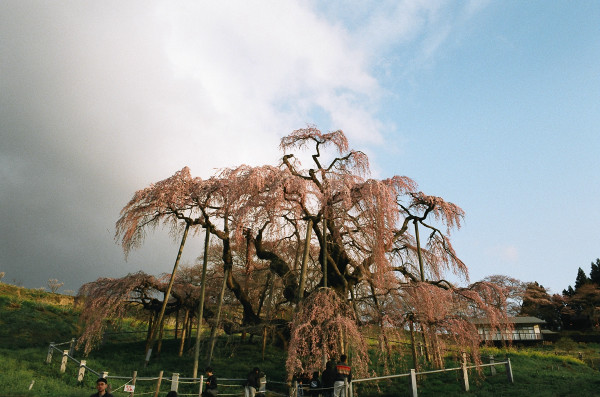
point(26, 323)
point(535, 373)
point(29, 321)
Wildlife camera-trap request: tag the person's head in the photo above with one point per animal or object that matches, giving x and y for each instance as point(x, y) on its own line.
point(256, 370)
point(343, 358)
point(209, 370)
point(172, 393)
point(315, 374)
point(101, 385)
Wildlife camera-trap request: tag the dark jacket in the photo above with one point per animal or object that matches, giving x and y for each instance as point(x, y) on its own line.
point(253, 379)
point(211, 382)
point(315, 383)
point(328, 376)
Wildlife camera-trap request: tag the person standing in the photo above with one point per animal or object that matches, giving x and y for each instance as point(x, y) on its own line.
point(210, 384)
point(328, 378)
point(252, 383)
point(101, 386)
point(315, 385)
point(343, 375)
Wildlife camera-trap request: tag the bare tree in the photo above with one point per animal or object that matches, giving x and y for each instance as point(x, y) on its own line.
point(54, 285)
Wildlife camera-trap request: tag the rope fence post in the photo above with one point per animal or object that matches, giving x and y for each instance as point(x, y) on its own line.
point(509, 373)
point(465, 372)
point(133, 379)
point(105, 375)
point(262, 388)
point(201, 385)
point(492, 367)
point(175, 382)
point(413, 382)
point(50, 350)
point(295, 389)
point(72, 347)
point(63, 364)
point(81, 373)
point(158, 382)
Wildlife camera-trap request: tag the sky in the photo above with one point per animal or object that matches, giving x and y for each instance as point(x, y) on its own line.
point(492, 105)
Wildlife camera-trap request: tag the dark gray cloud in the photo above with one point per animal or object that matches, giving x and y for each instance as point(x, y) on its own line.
point(99, 99)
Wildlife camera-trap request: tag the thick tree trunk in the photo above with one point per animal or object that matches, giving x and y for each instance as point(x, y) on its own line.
point(324, 249)
point(413, 344)
point(421, 268)
point(305, 260)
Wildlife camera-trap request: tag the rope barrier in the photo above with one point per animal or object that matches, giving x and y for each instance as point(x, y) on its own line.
point(60, 344)
point(232, 384)
point(122, 386)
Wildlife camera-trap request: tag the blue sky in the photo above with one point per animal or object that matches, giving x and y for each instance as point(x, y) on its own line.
point(493, 105)
point(504, 122)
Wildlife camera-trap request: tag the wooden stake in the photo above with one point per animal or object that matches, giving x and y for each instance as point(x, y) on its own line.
point(160, 375)
point(81, 373)
point(63, 364)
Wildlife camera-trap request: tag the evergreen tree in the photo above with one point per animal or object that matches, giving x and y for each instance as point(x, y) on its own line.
point(538, 303)
point(595, 272)
point(581, 279)
point(569, 292)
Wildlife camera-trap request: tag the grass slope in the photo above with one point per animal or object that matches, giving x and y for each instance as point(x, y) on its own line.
point(30, 320)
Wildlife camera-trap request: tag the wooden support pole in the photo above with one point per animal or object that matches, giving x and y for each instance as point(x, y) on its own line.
point(81, 373)
point(201, 304)
point(63, 364)
point(413, 382)
point(158, 382)
point(264, 342)
point(184, 332)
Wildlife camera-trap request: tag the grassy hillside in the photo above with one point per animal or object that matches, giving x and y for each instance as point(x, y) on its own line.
point(31, 319)
point(35, 318)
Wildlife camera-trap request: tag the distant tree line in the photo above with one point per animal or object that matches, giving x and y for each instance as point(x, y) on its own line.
point(577, 308)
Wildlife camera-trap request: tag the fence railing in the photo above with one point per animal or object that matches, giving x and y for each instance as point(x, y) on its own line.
point(228, 386)
point(347, 389)
point(464, 368)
